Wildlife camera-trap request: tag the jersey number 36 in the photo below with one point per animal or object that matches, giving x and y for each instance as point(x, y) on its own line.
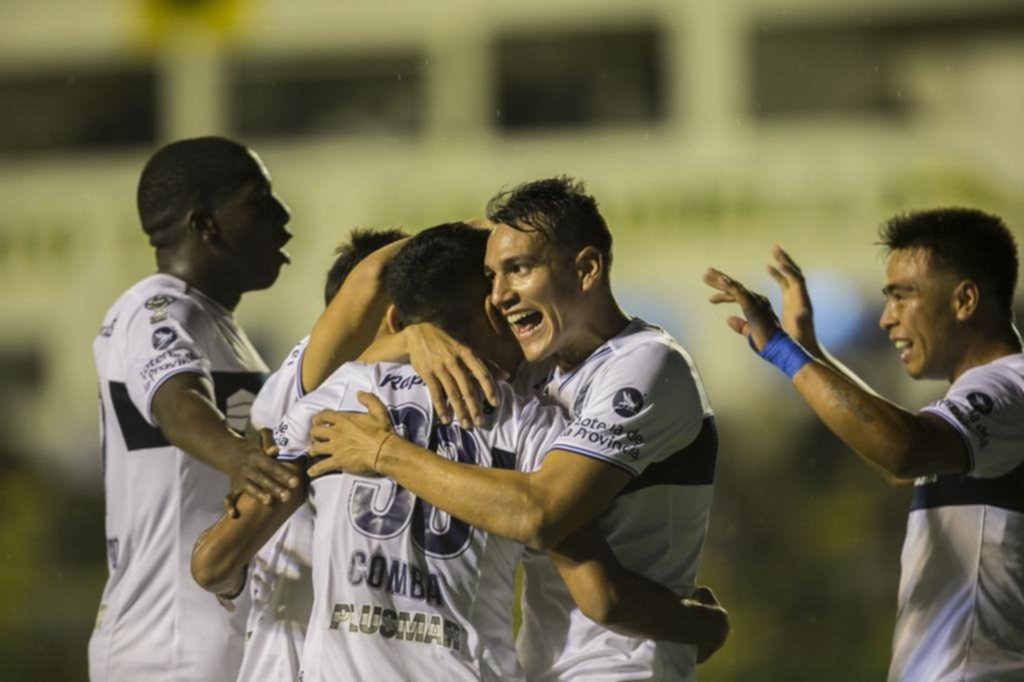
point(436, 533)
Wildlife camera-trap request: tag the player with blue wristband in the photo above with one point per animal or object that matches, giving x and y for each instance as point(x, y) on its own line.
point(949, 287)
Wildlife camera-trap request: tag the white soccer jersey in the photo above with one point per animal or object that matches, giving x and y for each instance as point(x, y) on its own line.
point(961, 597)
point(154, 622)
point(638, 404)
point(281, 574)
point(402, 590)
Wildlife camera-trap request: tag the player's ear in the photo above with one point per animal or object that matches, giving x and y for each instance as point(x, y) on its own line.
point(392, 320)
point(965, 300)
point(202, 224)
point(590, 267)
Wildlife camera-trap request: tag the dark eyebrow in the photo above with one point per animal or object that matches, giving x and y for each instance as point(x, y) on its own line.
point(893, 288)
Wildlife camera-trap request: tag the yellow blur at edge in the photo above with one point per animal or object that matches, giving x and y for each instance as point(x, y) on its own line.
point(160, 17)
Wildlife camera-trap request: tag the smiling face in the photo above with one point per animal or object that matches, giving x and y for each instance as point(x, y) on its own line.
point(534, 288)
point(252, 229)
point(919, 314)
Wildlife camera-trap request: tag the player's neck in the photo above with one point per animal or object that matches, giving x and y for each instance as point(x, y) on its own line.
point(206, 279)
point(988, 348)
point(601, 322)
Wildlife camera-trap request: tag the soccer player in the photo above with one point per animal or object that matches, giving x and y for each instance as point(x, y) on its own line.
point(638, 456)
point(176, 378)
point(949, 283)
point(281, 573)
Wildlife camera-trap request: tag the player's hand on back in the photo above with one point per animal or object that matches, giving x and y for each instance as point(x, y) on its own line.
point(457, 379)
point(715, 619)
point(759, 322)
point(797, 311)
point(349, 442)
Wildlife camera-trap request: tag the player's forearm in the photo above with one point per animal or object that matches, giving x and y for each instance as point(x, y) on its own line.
point(881, 432)
point(495, 500)
point(222, 552)
point(645, 608)
point(349, 323)
point(627, 602)
point(191, 421)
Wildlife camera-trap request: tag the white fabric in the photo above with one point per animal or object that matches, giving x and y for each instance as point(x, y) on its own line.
point(154, 622)
point(961, 596)
point(636, 403)
point(402, 590)
point(281, 574)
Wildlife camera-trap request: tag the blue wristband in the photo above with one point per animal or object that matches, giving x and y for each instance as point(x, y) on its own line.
point(785, 353)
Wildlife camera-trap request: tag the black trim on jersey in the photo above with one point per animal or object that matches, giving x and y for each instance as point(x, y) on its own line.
point(140, 435)
point(955, 490)
point(503, 459)
point(693, 465)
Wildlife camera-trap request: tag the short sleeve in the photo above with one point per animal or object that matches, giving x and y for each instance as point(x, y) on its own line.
point(986, 407)
point(161, 345)
point(642, 406)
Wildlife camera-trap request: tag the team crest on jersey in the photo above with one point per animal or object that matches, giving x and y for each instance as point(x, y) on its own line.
point(628, 402)
point(158, 305)
point(164, 337)
point(159, 302)
point(980, 402)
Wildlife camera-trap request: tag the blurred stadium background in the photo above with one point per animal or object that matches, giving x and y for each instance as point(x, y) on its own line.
point(708, 131)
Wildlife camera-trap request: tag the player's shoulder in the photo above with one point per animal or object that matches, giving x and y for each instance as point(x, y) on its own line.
point(647, 348)
point(159, 298)
point(1001, 379)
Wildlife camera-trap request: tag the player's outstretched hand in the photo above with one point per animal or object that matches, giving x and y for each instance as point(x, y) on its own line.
point(715, 619)
point(259, 475)
point(350, 441)
point(758, 322)
point(453, 373)
point(797, 312)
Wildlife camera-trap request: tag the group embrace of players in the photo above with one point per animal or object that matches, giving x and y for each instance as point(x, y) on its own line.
point(473, 398)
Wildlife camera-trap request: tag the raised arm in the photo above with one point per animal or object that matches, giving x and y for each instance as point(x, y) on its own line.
point(350, 322)
point(633, 605)
point(902, 444)
point(798, 313)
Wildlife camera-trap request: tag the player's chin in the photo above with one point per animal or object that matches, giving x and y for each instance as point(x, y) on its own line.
point(265, 277)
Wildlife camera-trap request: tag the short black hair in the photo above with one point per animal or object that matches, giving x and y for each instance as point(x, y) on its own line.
point(361, 243)
point(428, 277)
point(187, 174)
point(558, 208)
point(972, 243)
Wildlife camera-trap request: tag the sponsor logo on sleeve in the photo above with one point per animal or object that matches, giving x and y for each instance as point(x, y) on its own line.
point(971, 420)
point(163, 337)
point(281, 435)
point(166, 361)
point(628, 402)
